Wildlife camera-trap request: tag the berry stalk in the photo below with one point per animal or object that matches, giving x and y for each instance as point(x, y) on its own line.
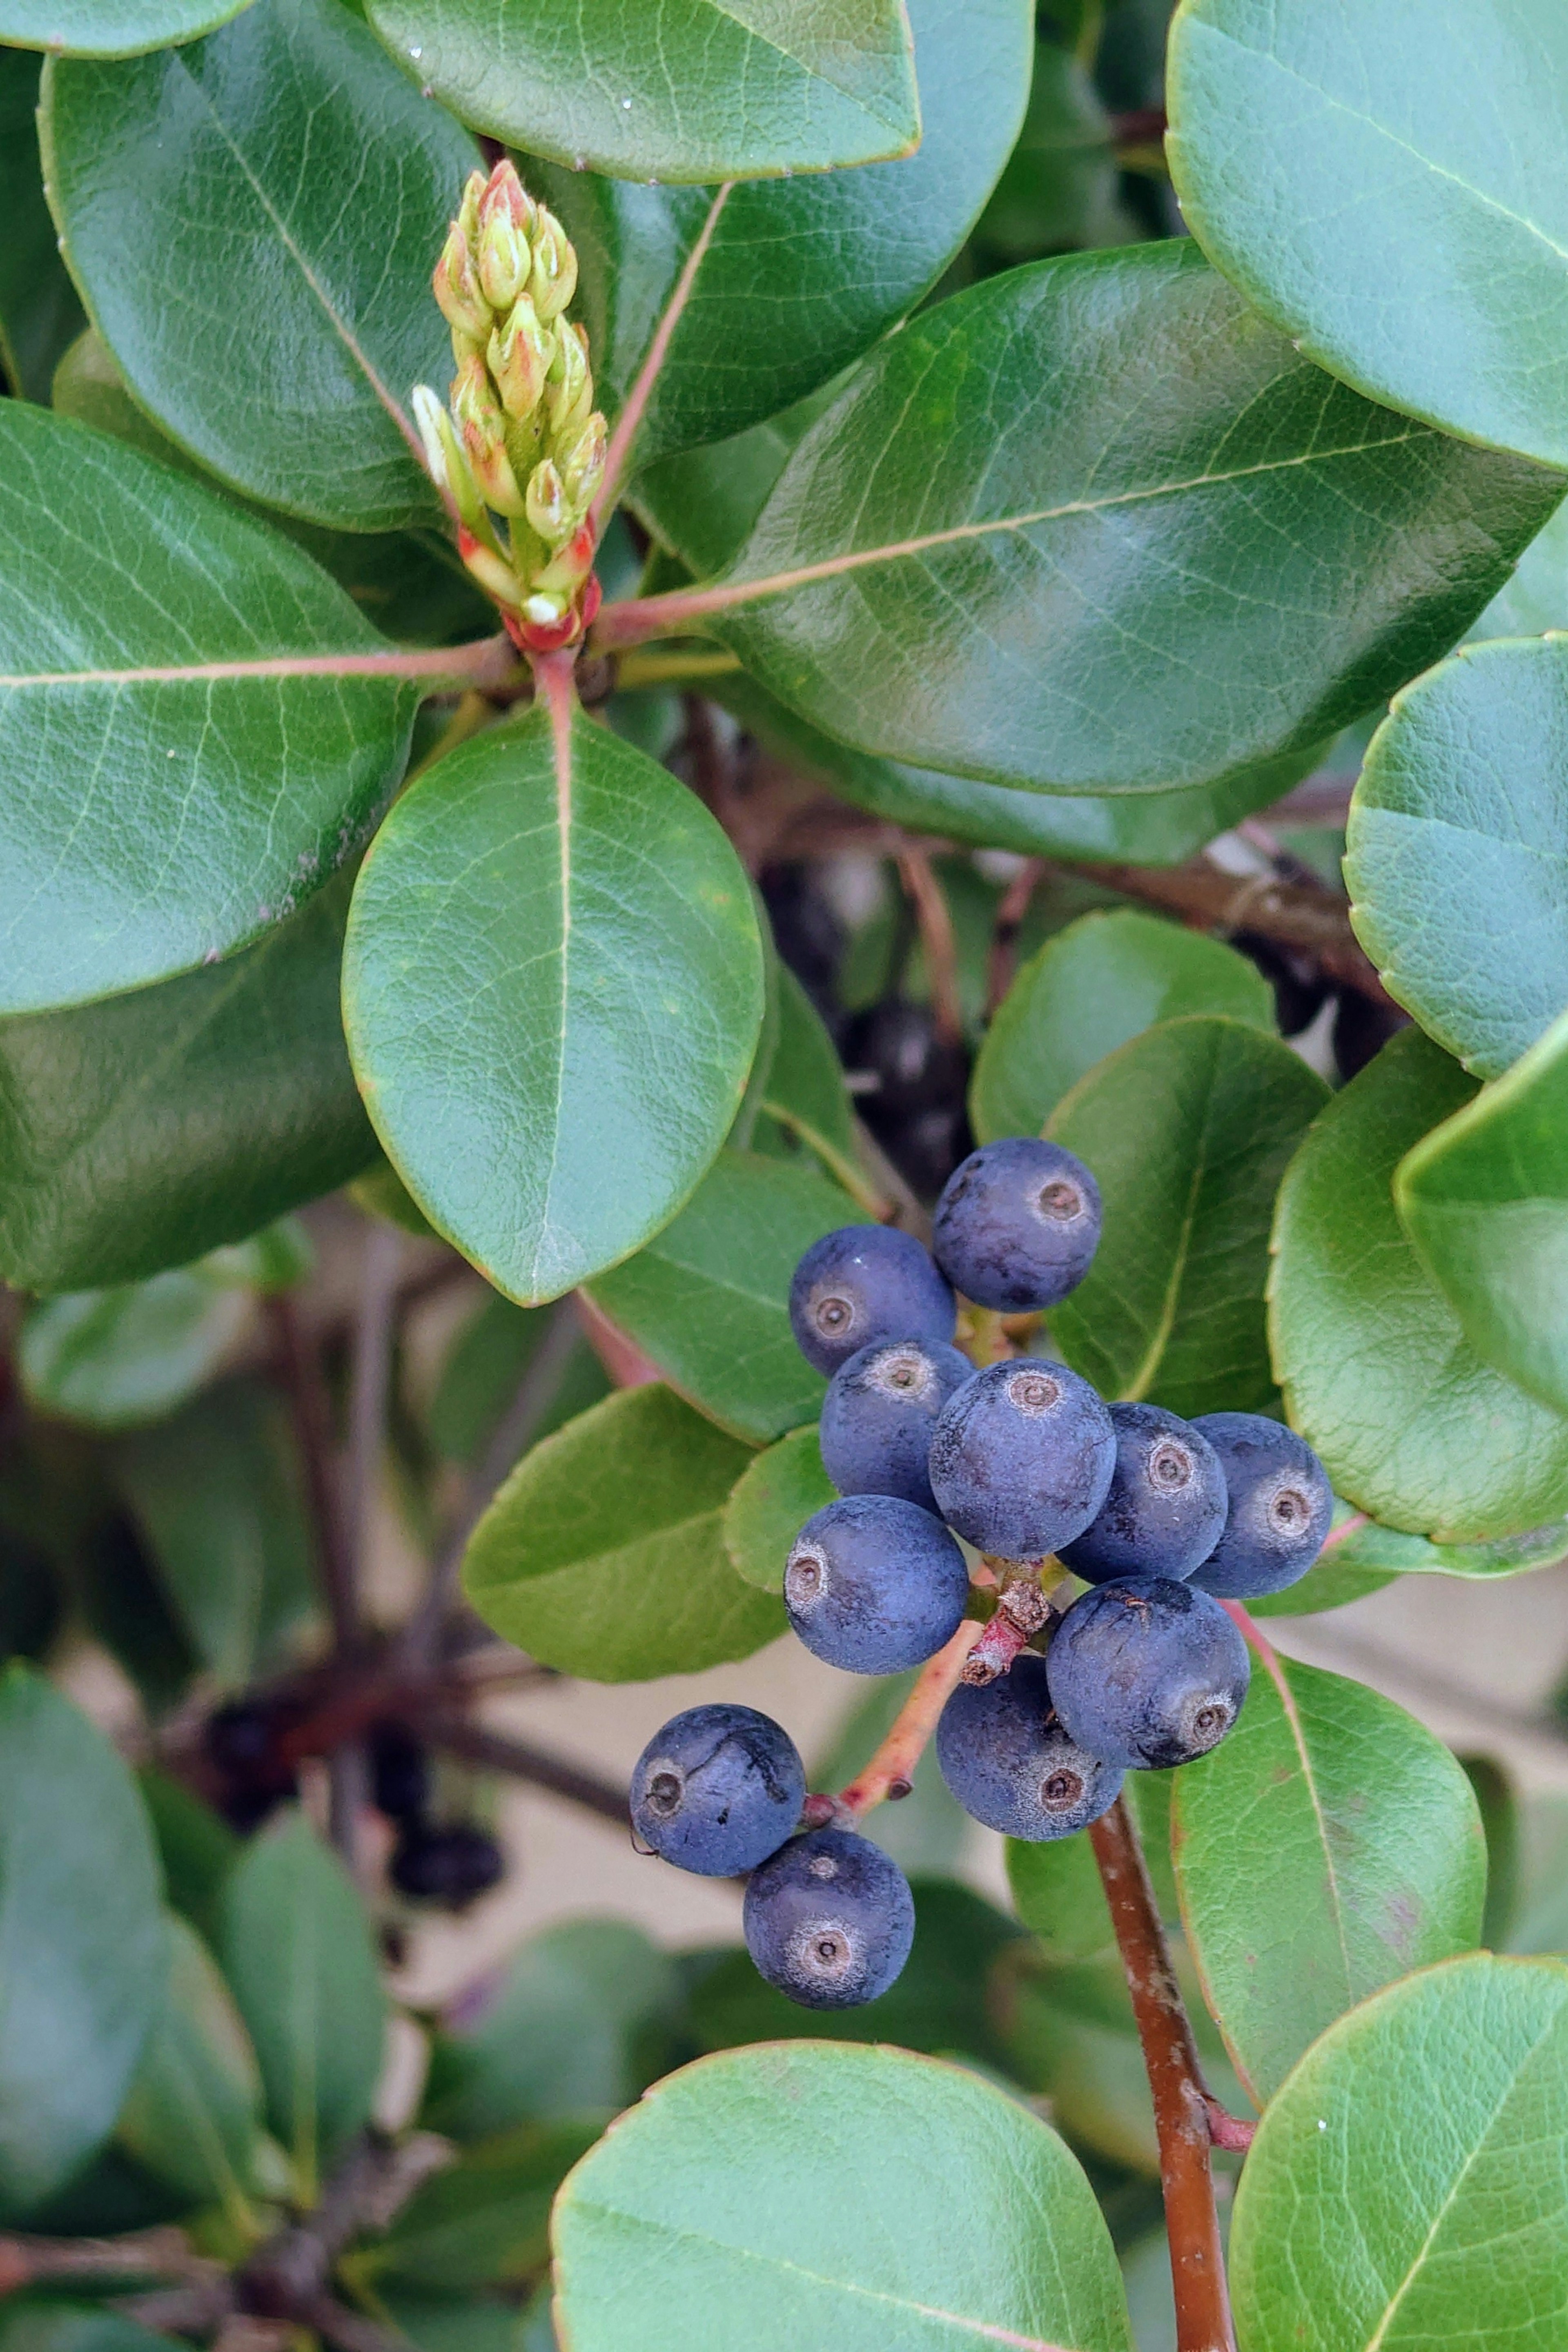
point(892, 1767)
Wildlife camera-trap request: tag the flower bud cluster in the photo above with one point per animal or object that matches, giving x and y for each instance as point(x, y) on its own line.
point(520, 453)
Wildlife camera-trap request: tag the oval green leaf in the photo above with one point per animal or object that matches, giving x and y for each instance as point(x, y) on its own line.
point(1485, 1199)
point(707, 1299)
point(1188, 1130)
point(751, 2199)
point(240, 722)
point(252, 223)
point(114, 1358)
point(299, 1952)
point(1457, 850)
point(1105, 979)
point(1328, 1846)
point(772, 1500)
point(796, 279)
point(553, 989)
point(1411, 1426)
point(803, 1087)
point(1397, 2200)
point(39, 312)
point(712, 89)
point(135, 1131)
point(84, 1939)
point(1336, 165)
point(971, 561)
point(109, 29)
point(192, 2117)
point(603, 1554)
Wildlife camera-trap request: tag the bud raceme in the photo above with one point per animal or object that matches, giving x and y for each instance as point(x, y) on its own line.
point(520, 439)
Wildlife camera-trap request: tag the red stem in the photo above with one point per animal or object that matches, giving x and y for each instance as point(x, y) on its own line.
point(1182, 2105)
point(631, 417)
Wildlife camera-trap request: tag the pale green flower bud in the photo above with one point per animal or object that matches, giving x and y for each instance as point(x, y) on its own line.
point(571, 383)
point(554, 278)
point(571, 563)
point(583, 466)
point(547, 509)
point(502, 255)
point(468, 210)
point(457, 290)
point(521, 353)
point(482, 425)
point(449, 468)
point(495, 576)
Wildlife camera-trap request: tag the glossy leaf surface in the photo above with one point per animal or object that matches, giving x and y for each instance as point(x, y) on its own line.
point(972, 560)
point(114, 1358)
point(1188, 1130)
point(602, 1554)
point(1397, 2199)
point(39, 309)
point(1386, 182)
point(285, 154)
point(299, 1953)
point(1411, 1426)
point(1485, 1199)
point(797, 278)
point(1456, 851)
point(193, 2113)
point(83, 1936)
point(695, 90)
point(552, 990)
point(749, 2200)
point(485, 2218)
point(139, 1130)
point(1328, 1846)
point(772, 1500)
point(110, 28)
point(1102, 980)
point(707, 1299)
point(184, 659)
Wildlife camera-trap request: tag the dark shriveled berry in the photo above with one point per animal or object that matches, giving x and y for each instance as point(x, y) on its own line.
point(863, 1284)
point(878, 1414)
point(1167, 1505)
point(1282, 1506)
point(1147, 1672)
point(1017, 1224)
point(1022, 1458)
point(873, 1584)
point(718, 1790)
point(452, 1865)
point(829, 1919)
point(1010, 1764)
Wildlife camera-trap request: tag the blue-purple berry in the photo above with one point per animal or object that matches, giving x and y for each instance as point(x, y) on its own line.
point(874, 1584)
point(1166, 1505)
point(878, 1414)
point(1022, 1458)
point(718, 1790)
point(1008, 1760)
point(1147, 1672)
point(1280, 1507)
point(1017, 1224)
point(863, 1284)
point(829, 1919)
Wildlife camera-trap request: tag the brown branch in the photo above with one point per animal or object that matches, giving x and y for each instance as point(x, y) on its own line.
point(299, 1370)
point(1181, 2099)
point(1295, 914)
point(161, 2253)
point(499, 1752)
point(1010, 913)
point(891, 1769)
point(934, 917)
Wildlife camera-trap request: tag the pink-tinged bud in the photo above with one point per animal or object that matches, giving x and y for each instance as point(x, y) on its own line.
point(468, 210)
point(495, 577)
point(521, 353)
point(546, 508)
point(449, 468)
point(503, 192)
point(502, 260)
point(571, 565)
point(571, 382)
point(555, 279)
point(457, 290)
point(583, 467)
point(482, 425)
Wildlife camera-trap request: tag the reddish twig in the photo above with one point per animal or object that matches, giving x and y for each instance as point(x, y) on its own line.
point(631, 417)
point(1183, 2103)
point(1011, 910)
point(891, 1771)
point(299, 1370)
point(934, 917)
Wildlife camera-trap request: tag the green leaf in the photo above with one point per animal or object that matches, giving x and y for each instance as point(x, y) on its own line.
point(1365, 1549)
point(1105, 979)
point(287, 154)
point(1536, 598)
point(487, 1365)
point(220, 690)
point(1485, 1200)
point(1339, 169)
point(216, 1491)
point(707, 1299)
point(577, 2026)
point(552, 990)
point(39, 309)
point(64, 2327)
point(1055, 1886)
point(770, 1502)
point(196, 1848)
point(940, 2004)
point(1406, 2187)
point(803, 1087)
point(717, 90)
point(1455, 855)
point(1061, 187)
point(1411, 1426)
point(192, 2117)
point(1187, 1130)
point(1501, 1826)
point(1140, 829)
point(409, 583)
point(115, 1359)
point(971, 560)
point(1541, 1925)
point(1328, 1846)
point(109, 29)
point(749, 2200)
point(300, 1955)
point(797, 278)
point(83, 1936)
point(177, 1118)
point(485, 2218)
point(602, 1554)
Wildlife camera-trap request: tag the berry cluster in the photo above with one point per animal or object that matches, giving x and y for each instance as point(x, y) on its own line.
point(1161, 1519)
point(450, 1862)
